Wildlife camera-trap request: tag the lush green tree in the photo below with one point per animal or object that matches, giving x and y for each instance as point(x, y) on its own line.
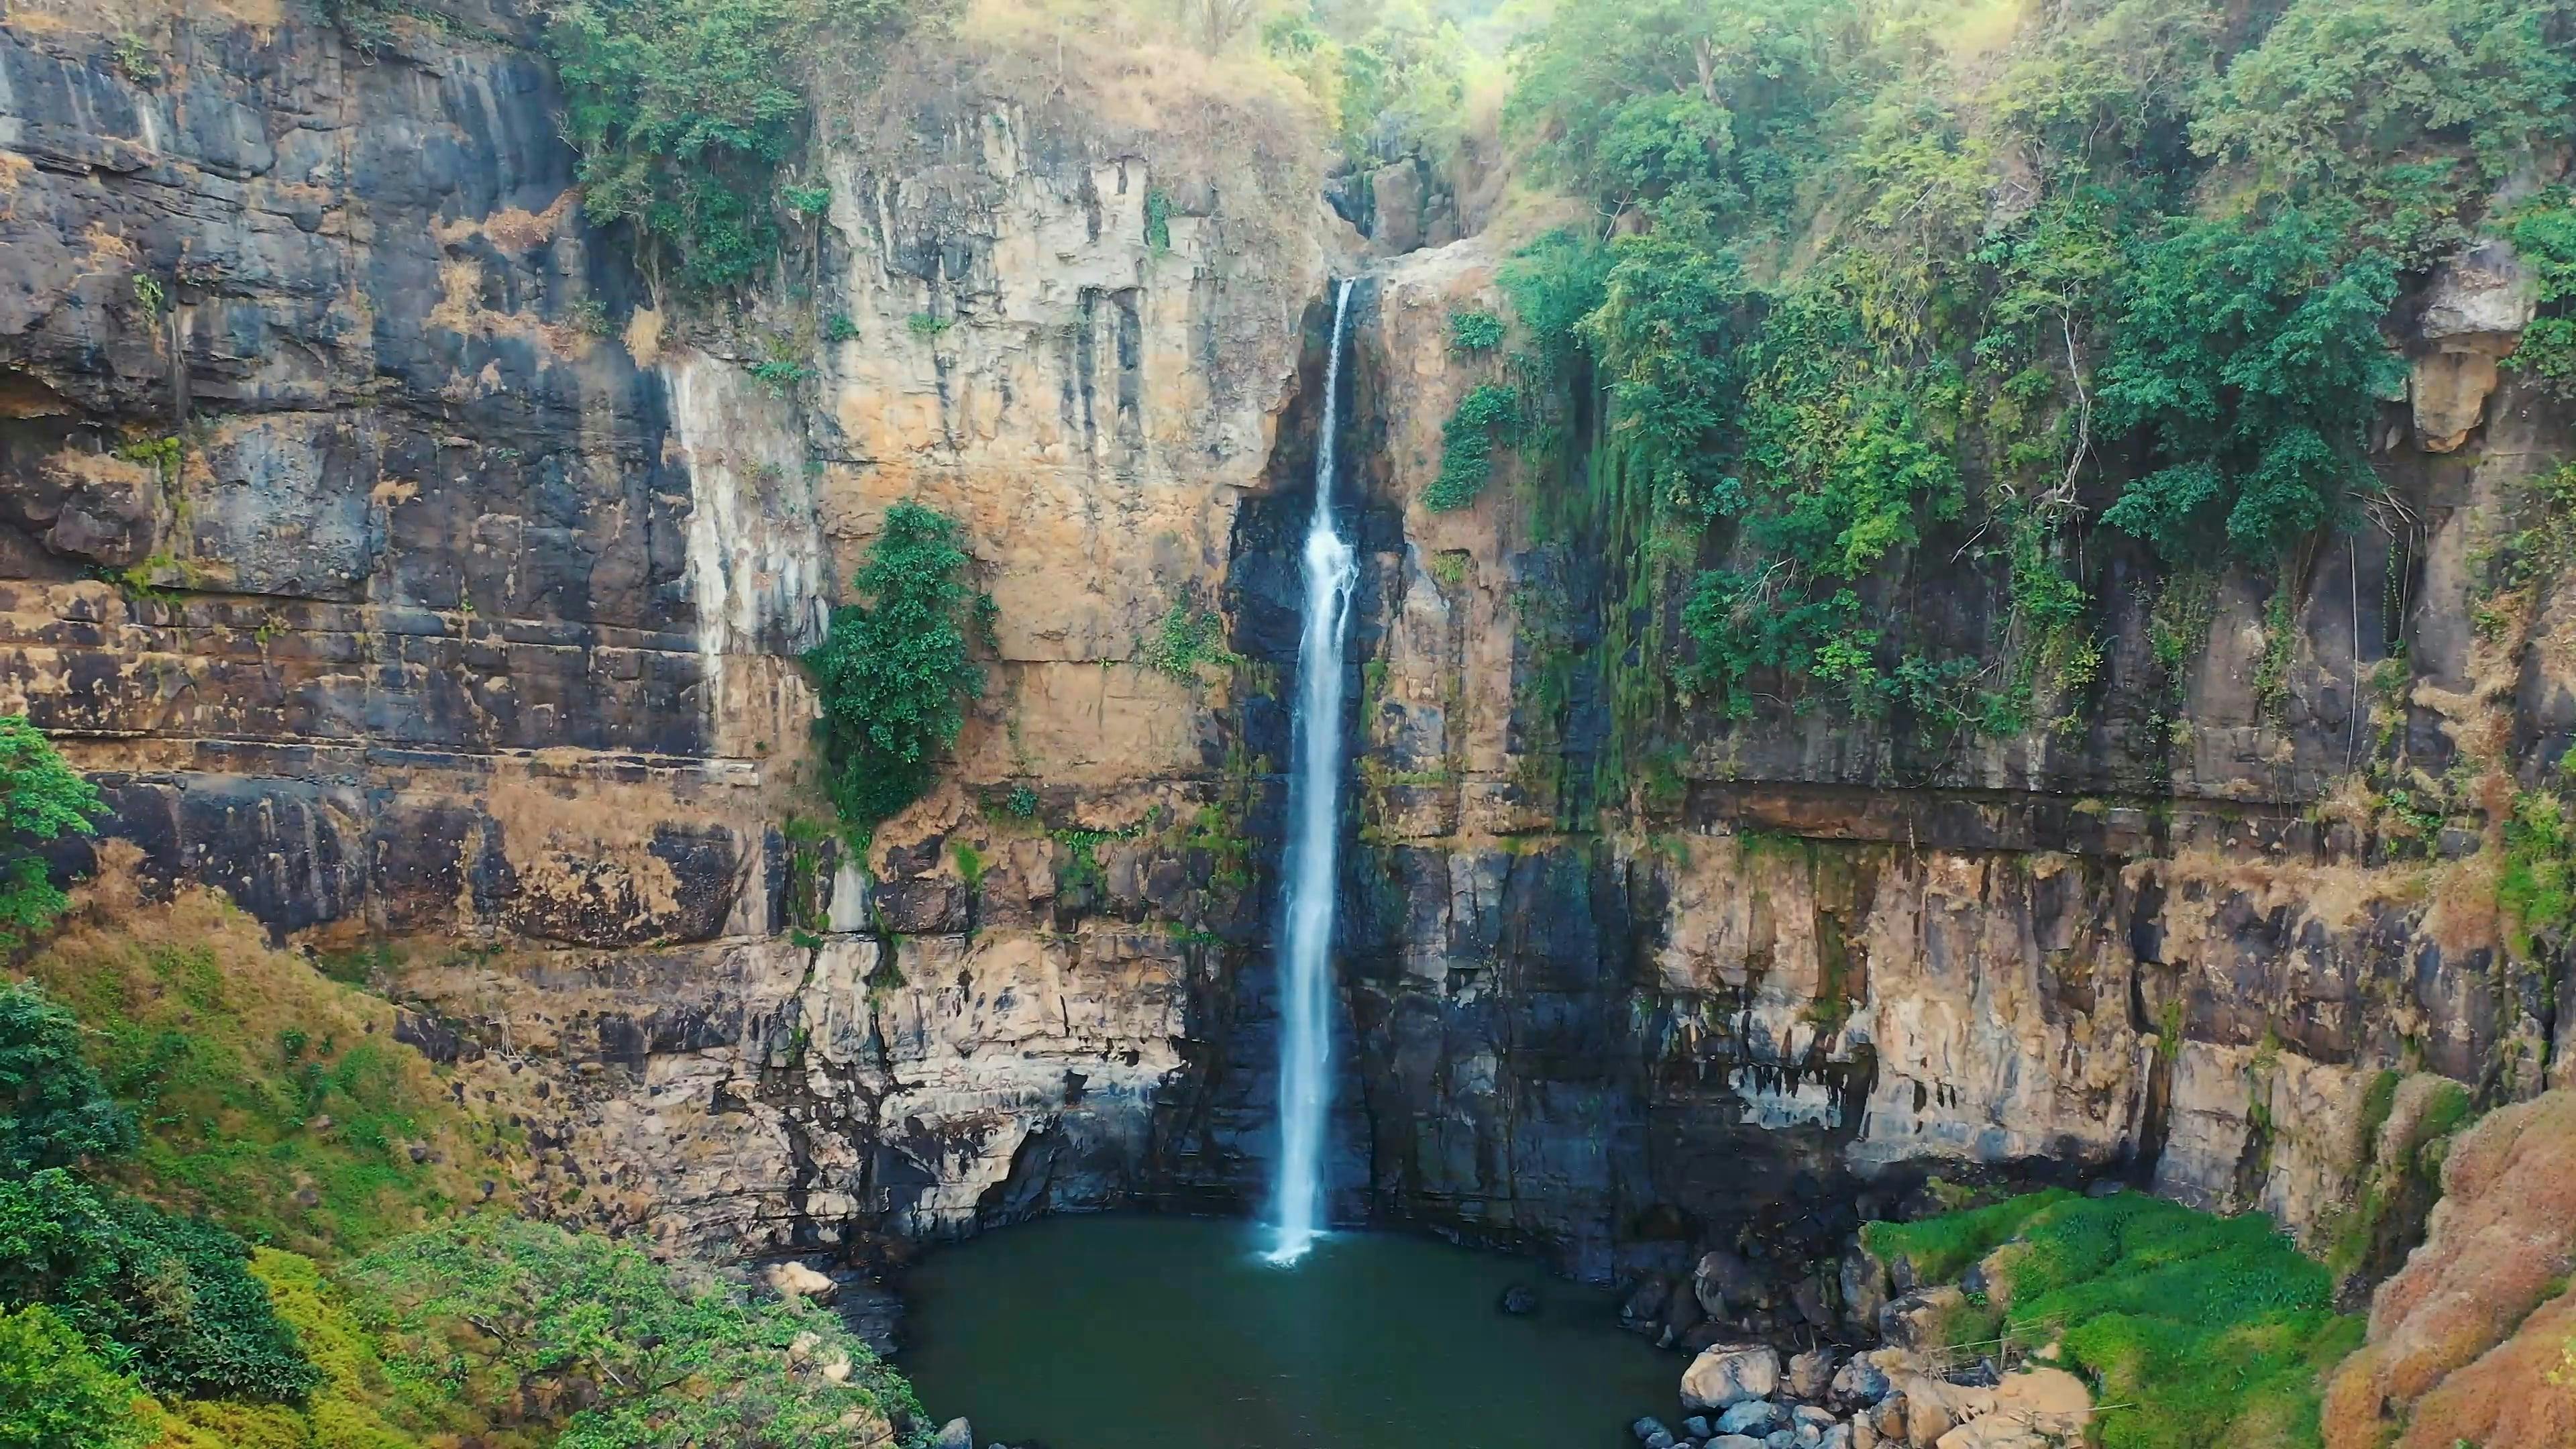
point(41, 798)
point(2339, 89)
point(496, 1310)
point(1666, 337)
point(168, 1298)
point(683, 111)
point(56, 1394)
point(893, 669)
point(54, 1110)
point(2248, 350)
point(1682, 102)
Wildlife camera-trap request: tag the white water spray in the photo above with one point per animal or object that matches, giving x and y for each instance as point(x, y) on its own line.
point(1314, 837)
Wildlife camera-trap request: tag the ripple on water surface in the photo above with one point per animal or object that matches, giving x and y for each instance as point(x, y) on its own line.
point(1174, 1333)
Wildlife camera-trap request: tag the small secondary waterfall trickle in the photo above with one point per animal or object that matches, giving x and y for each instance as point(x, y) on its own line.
point(1314, 837)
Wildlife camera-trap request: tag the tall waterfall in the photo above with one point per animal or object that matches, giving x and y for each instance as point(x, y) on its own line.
point(1314, 834)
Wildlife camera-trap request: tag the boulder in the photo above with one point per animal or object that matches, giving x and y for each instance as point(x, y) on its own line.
point(795, 1280)
point(1810, 1414)
point(1859, 1381)
point(1813, 1300)
point(1811, 1373)
point(1727, 1374)
point(2033, 1409)
point(1398, 225)
point(955, 1434)
point(1643, 1311)
point(1648, 1427)
point(1682, 1317)
point(1735, 1441)
point(1921, 1319)
point(1520, 1299)
point(2474, 312)
point(1697, 1426)
point(1753, 1416)
point(1725, 1283)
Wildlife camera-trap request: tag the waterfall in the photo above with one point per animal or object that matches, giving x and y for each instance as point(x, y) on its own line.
point(1314, 832)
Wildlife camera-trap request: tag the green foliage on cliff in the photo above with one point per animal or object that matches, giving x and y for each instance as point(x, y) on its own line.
point(41, 798)
point(2202, 1329)
point(1392, 78)
point(268, 1095)
point(161, 1102)
point(2543, 230)
point(684, 111)
point(57, 1111)
point(1945, 1245)
point(2001, 296)
point(496, 1311)
point(893, 670)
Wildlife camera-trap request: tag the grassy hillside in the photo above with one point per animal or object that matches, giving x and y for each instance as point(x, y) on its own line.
point(270, 1096)
point(235, 1213)
point(2201, 1330)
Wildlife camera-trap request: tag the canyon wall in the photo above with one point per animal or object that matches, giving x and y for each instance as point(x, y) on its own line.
point(401, 565)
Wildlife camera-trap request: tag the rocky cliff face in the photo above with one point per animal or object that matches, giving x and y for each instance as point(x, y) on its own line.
point(400, 568)
point(1819, 954)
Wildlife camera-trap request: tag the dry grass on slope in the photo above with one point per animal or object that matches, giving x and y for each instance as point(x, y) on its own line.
point(1232, 120)
point(2461, 1346)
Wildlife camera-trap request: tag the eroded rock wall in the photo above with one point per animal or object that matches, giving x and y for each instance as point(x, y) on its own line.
point(403, 564)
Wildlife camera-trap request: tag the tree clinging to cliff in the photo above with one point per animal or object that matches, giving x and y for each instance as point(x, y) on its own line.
point(893, 670)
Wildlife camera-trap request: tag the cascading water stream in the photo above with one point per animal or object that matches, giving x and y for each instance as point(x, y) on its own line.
point(1314, 816)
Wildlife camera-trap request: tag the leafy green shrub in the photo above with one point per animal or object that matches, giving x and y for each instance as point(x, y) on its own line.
point(56, 1394)
point(1474, 331)
point(501, 1311)
point(1022, 802)
point(839, 328)
point(2340, 89)
point(1189, 640)
point(2543, 230)
point(171, 1297)
point(682, 111)
point(2249, 352)
point(1467, 455)
point(781, 377)
point(57, 1110)
point(2536, 887)
point(1689, 106)
point(926, 325)
point(893, 670)
point(41, 798)
point(1158, 220)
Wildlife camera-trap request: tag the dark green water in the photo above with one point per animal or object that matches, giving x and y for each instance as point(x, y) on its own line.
point(1172, 1333)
